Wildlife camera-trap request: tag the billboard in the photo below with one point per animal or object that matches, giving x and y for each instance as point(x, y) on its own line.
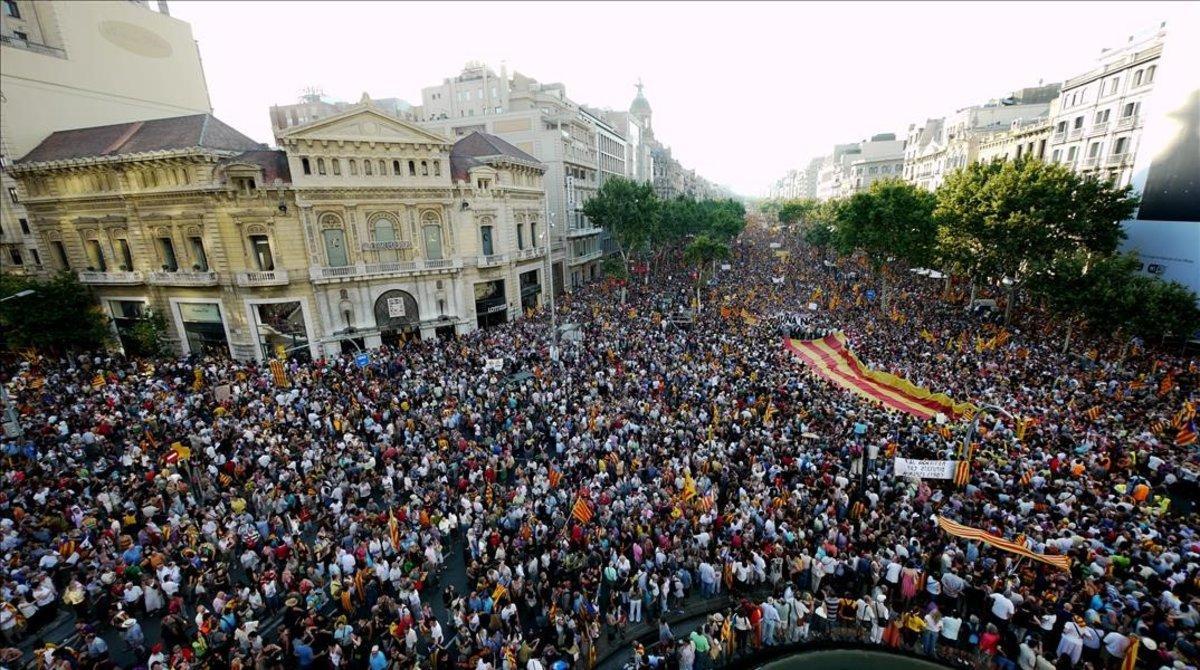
point(1165, 231)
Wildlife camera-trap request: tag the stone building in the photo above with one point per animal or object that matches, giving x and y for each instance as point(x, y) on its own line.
point(184, 216)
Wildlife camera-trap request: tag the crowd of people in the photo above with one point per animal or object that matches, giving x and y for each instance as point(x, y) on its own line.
point(430, 511)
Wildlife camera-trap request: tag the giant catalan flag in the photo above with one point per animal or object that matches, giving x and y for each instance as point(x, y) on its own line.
point(969, 533)
point(830, 358)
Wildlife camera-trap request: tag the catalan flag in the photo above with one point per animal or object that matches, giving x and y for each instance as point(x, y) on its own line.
point(555, 477)
point(37, 383)
point(1027, 478)
point(689, 488)
point(969, 533)
point(499, 592)
point(394, 530)
point(1137, 384)
point(962, 473)
point(706, 503)
point(726, 312)
point(1094, 413)
point(858, 510)
point(1186, 436)
point(749, 318)
point(926, 335)
point(1022, 427)
point(98, 382)
point(769, 413)
point(1167, 383)
point(278, 373)
point(1131, 654)
point(198, 374)
point(582, 511)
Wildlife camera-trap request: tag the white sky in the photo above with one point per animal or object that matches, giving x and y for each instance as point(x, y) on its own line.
point(741, 91)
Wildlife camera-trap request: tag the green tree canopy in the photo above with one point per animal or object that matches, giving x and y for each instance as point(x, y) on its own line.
point(628, 210)
point(791, 211)
point(62, 315)
point(890, 221)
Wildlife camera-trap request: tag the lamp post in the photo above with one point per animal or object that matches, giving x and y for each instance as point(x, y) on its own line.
point(975, 422)
point(12, 424)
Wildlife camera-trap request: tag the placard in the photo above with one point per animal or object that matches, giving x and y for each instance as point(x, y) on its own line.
point(922, 469)
point(396, 308)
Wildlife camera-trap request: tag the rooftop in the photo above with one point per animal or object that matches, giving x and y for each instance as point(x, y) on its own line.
point(196, 131)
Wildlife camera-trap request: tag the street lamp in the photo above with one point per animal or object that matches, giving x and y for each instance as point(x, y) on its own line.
point(975, 421)
point(12, 426)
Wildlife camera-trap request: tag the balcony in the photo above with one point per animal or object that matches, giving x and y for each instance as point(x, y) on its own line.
point(321, 274)
point(1098, 129)
point(184, 278)
point(573, 233)
point(1090, 162)
point(262, 278)
point(1116, 160)
point(526, 254)
point(123, 278)
point(586, 258)
point(45, 50)
point(491, 260)
point(1126, 122)
point(1075, 134)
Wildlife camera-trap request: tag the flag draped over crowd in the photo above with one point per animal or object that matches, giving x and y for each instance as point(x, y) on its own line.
point(969, 533)
point(833, 361)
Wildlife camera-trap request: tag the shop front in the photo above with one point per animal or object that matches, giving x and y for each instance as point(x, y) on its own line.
point(531, 288)
point(491, 303)
point(281, 330)
point(202, 328)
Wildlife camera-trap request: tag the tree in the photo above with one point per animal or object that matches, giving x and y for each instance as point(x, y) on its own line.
point(1014, 219)
point(62, 315)
point(148, 336)
point(628, 210)
point(890, 221)
point(793, 211)
point(701, 252)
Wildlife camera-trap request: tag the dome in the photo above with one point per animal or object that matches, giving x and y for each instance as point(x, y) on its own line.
point(640, 106)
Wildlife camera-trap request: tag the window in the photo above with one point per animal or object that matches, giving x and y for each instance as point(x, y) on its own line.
point(335, 247)
point(382, 168)
point(432, 234)
point(1102, 116)
point(260, 247)
point(396, 168)
point(24, 37)
point(367, 169)
point(533, 239)
point(12, 194)
point(353, 167)
point(198, 255)
point(1129, 110)
point(337, 166)
point(1121, 145)
point(412, 168)
point(124, 254)
point(320, 166)
point(1150, 74)
point(1113, 84)
point(305, 165)
point(384, 231)
point(485, 239)
point(246, 185)
point(1055, 156)
point(37, 258)
point(1137, 78)
point(15, 254)
point(11, 9)
point(60, 254)
point(166, 249)
point(424, 169)
point(95, 256)
point(437, 168)
point(1094, 150)
point(24, 225)
point(1062, 127)
point(1071, 154)
point(521, 236)
point(1078, 122)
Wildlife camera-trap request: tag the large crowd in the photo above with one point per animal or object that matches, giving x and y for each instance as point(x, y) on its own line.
point(660, 463)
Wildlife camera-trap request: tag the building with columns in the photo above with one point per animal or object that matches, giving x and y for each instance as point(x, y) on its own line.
point(409, 235)
point(184, 216)
point(78, 64)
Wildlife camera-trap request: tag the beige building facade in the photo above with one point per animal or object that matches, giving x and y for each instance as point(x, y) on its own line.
point(183, 216)
point(70, 65)
point(411, 235)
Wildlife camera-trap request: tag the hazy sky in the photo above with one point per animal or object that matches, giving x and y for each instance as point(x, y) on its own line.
point(741, 91)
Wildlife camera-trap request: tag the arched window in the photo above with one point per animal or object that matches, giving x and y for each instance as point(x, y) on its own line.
point(320, 166)
point(424, 169)
point(334, 239)
point(437, 168)
point(1137, 78)
point(353, 167)
point(1150, 74)
point(382, 167)
point(367, 169)
point(337, 166)
point(383, 232)
point(306, 165)
point(431, 235)
point(396, 168)
point(412, 169)
point(487, 245)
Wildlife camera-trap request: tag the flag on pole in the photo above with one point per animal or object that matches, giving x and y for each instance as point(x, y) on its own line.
point(279, 373)
point(98, 382)
point(582, 511)
point(689, 488)
point(962, 473)
point(1186, 436)
point(555, 477)
point(499, 592)
point(1131, 654)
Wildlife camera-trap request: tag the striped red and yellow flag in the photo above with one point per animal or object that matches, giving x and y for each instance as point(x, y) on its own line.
point(962, 473)
point(499, 592)
point(1027, 477)
point(706, 503)
point(1186, 436)
point(98, 382)
point(555, 477)
point(37, 383)
point(1131, 654)
point(582, 511)
point(858, 509)
point(1167, 383)
point(1137, 384)
point(969, 533)
point(1094, 413)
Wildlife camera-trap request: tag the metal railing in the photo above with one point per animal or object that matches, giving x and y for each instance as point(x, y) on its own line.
point(586, 258)
point(1058, 138)
point(121, 277)
point(1091, 161)
point(1119, 159)
point(262, 278)
point(1075, 133)
point(526, 254)
point(583, 231)
point(320, 273)
point(1126, 121)
point(1098, 129)
point(184, 278)
point(35, 47)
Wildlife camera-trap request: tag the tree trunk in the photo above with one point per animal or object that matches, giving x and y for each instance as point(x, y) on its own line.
point(1008, 305)
point(971, 301)
point(946, 288)
point(1067, 341)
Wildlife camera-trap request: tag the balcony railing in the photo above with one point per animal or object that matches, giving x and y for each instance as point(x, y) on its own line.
point(111, 278)
point(526, 254)
point(43, 49)
point(583, 231)
point(184, 278)
point(320, 273)
point(1123, 158)
point(1098, 129)
point(1090, 161)
point(1075, 134)
point(1126, 122)
point(586, 258)
point(262, 278)
point(491, 260)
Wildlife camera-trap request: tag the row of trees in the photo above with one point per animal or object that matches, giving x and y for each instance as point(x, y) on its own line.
point(1028, 228)
point(644, 225)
